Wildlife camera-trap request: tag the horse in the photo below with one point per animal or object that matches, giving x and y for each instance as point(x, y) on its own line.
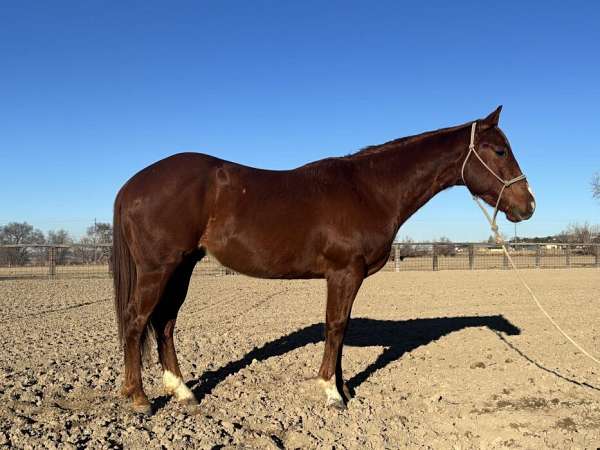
point(334, 218)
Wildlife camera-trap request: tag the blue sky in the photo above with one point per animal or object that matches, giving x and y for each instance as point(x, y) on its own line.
point(91, 92)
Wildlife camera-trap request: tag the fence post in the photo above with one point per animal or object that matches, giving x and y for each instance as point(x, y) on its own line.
point(538, 256)
point(397, 257)
point(597, 246)
point(435, 257)
point(504, 260)
point(471, 256)
point(51, 262)
point(568, 253)
point(110, 260)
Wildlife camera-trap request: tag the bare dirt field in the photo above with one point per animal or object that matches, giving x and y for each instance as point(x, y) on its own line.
point(458, 359)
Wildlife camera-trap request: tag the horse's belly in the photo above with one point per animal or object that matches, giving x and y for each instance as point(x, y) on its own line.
point(264, 258)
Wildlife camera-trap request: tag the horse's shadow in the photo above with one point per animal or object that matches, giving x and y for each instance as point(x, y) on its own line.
point(396, 336)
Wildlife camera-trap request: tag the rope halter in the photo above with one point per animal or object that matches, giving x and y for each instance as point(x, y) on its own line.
point(505, 183)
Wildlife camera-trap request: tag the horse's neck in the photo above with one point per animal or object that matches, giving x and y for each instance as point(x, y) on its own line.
point(407, 175)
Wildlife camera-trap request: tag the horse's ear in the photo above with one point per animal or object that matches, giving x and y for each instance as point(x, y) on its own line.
point(492, 120)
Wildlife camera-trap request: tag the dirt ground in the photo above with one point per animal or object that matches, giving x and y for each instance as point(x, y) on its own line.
point(436, 360)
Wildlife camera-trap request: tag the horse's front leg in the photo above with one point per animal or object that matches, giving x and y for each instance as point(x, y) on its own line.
point(342, 286)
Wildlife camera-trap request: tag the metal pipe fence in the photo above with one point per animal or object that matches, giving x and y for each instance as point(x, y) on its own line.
point(477, 256)
point(55, 261)
point(89, 261)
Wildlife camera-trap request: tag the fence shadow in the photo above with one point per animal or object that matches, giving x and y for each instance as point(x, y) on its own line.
point(398, 336)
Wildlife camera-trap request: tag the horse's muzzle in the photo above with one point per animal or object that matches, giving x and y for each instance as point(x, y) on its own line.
point(516, 214)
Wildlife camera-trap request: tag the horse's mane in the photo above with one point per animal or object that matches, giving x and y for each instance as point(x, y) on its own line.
point(403, 141)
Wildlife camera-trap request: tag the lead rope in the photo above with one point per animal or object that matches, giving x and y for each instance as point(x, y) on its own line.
point(499, 240)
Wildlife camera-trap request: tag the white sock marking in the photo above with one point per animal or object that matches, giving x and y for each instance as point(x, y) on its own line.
point(175, 386)
point(333, 396)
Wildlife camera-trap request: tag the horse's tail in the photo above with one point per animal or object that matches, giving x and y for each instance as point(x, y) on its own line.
point(124, 271)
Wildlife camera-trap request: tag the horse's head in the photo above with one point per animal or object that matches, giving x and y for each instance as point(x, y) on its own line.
point(491, 172)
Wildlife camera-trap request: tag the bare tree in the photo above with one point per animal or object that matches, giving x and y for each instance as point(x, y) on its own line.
point(20, 233)
point(98, 234)
point(596, 185)
point(60, 237)
point(577, 233)
point(16, 233)
point(445, 247)
point(407, 248)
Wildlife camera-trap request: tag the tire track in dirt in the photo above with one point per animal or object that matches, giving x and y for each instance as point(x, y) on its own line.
point(236, 317)
point(234, 298)
point(51, 311)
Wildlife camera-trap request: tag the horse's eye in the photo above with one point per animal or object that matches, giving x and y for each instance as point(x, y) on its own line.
point(500, 152)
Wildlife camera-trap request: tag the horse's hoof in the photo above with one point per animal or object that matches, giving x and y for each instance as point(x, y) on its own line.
point(334, 399)
point(347, 392)
point(339, 405)
point(189, 401)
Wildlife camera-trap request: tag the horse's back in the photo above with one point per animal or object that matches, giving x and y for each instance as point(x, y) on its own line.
point(281, 224)
point(265, 223)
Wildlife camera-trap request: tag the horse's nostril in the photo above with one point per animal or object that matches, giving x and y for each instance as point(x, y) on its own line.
point(527, 212)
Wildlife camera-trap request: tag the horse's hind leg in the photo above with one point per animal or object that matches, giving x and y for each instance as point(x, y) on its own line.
point(342, 287)
point(147, 292)
point(163, 320)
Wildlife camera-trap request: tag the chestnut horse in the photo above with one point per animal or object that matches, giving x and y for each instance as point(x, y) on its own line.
point(335, 219)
